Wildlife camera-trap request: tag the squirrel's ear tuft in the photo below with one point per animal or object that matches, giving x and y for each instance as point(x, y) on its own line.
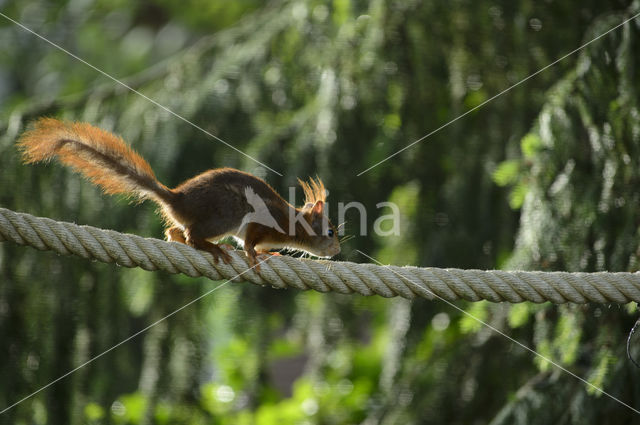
point(314, 191)
point(318, 208)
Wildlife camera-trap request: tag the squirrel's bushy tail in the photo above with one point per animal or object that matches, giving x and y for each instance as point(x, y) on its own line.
point(101, 156)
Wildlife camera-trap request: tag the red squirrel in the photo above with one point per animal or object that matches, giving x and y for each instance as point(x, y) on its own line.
point(202, 210)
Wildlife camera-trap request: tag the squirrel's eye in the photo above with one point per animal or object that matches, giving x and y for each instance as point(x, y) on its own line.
point(330, 233)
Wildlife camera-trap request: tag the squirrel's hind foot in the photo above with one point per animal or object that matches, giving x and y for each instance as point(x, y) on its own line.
point(204, 245)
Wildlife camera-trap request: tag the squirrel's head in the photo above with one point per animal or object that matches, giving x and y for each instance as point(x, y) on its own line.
point(323, 240)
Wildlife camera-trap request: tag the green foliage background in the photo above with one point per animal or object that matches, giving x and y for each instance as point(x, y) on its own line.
point(544, 177)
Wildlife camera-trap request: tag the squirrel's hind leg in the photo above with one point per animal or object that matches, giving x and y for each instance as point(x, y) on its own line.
point(175, 234)
point(194, 239)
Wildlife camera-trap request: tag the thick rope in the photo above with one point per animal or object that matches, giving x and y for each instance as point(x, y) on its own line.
point(344, 277)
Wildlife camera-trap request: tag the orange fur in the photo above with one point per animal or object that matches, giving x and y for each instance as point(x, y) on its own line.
point(314, 191)
point(101, 156)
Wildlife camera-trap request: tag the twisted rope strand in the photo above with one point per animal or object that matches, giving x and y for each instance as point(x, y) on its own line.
point(320, 275)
